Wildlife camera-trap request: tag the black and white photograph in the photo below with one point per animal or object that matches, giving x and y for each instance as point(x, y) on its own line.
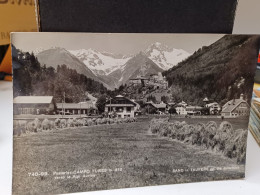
point(99, 111)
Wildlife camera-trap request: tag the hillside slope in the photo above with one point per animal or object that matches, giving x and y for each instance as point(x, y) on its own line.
point(221, 71)
point(59, 56)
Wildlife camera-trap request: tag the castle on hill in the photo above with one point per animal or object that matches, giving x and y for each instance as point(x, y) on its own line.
point(155, 80)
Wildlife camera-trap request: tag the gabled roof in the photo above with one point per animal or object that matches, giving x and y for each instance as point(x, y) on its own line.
point(194, 107)
point(205, 99)
point(82, 105)
point(212, 104)
point(33, 99)
point(182, 103)
point(161, 105)
point(119, 99)
point(232, 104)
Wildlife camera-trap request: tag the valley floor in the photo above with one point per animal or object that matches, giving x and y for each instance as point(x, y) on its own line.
point(109, 157)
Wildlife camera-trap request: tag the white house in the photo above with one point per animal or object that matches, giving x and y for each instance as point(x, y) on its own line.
point(181, 108)
point(193, 110)
point(123, 106)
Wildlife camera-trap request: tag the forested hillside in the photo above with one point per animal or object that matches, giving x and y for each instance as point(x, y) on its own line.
point(33, 78)
point(221, 71)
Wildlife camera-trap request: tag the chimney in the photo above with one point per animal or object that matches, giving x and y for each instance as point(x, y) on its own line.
point(241, 96)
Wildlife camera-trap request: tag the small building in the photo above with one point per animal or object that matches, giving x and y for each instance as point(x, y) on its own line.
point(235, 108)
point(34, 105)
point(181, 108)
point(159, 108)
point(214, 108)
point(206, 100)
point(122, 106)
point(194, 110)
point(85, 108)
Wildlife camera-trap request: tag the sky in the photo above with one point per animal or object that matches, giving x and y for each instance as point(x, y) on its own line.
point(125, 44)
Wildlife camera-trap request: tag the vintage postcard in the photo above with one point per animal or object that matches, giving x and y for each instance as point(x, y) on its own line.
point(106, 111)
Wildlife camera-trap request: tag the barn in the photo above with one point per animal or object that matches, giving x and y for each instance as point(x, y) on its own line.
point(235, 107)
point(34, 105)
point(85, 108)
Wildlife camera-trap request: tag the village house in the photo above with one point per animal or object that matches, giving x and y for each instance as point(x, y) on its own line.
point(85, 108)
point(194, 110)
point(206, 100)
point(34, 105)
point(181, 108)
point(160, 108)
point(235, 108)
point(214, 108)
point(122, 106)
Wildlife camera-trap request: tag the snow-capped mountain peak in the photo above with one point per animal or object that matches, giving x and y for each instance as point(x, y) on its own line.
point(100, 63)
point(164, 56)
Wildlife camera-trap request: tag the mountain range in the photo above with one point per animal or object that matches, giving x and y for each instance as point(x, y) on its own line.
point(114, 70)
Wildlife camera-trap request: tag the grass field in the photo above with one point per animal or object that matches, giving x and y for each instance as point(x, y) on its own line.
point(135, 157)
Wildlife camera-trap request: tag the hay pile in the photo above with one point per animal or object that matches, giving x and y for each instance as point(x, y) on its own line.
point(34, 126)
point(22, 126)
point(19, 127)
point(223, 139)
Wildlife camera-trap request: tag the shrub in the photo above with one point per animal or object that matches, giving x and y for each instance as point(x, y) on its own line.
point(34, 126)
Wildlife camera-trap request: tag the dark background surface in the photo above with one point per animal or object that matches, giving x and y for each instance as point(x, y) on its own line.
point(137, 16)
point(3, 49)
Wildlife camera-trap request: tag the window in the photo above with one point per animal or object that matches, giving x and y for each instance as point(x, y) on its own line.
point(119, 109)
point(128, 109)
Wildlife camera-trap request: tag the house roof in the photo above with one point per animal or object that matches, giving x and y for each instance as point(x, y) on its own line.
point(182, 103)
point(194, 107)
point(211, 104)
point(205, 99)
point(119, 99)
point(119, 105)
point(82, 105)
point(161, 105)
point(33, 99)
point(232, 104)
